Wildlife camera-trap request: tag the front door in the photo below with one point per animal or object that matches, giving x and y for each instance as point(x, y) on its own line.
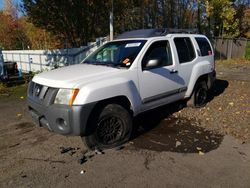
point(160, 83)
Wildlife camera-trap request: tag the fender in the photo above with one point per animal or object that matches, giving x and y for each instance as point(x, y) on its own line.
point(200, 69)
point(110, 88)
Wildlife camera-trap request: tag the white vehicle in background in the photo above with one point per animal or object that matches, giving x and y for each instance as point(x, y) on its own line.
point(139, 71)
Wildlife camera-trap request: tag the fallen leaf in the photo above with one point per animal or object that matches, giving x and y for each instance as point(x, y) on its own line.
point(178, 143)
point(98, 151)
point(201, 153)
point(231, 103)
point(198, 148)
point(19, 115)
point(21, 97)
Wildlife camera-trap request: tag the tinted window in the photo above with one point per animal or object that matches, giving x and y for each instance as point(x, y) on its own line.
point(185, 49)
point(159, 51)
point(204, 46)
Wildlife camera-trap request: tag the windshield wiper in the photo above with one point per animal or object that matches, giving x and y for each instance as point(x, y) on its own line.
point(104, 64)
point(108, 65)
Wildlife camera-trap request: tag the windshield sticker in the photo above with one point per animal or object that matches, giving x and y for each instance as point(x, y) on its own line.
point(136, 44)
point(126, 61)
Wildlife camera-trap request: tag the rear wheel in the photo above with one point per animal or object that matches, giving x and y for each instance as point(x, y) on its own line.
point(113, 128)
point(199, 96)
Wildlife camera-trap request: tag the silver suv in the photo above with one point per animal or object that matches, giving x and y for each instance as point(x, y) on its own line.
point(138, 71)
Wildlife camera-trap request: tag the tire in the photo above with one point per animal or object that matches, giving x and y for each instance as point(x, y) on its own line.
point(113, 128)
point(199, 96)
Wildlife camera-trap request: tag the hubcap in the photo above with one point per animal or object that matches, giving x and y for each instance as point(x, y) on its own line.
point(109, 130)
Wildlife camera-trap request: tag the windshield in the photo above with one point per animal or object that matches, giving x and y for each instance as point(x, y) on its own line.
point(117, 53)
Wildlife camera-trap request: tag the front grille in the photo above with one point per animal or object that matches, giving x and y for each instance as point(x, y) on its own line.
point(41, 93)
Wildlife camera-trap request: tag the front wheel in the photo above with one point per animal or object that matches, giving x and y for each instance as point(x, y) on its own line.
point(199, 96)
point(113, 128)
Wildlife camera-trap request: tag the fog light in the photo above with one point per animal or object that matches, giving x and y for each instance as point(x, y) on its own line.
point(61, 123)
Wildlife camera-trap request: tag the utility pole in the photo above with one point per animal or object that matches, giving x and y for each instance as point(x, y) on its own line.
point(199, 17)
point(111, 20)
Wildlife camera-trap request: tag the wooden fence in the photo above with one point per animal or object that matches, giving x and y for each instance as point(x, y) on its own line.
point(228, 48)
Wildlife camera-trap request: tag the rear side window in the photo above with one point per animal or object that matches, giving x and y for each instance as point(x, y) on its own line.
point(205, 48)
point(185, 49)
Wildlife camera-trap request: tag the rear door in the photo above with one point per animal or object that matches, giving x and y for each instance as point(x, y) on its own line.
point(186, 57)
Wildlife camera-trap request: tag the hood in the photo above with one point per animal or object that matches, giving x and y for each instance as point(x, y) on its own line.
point(69, 77)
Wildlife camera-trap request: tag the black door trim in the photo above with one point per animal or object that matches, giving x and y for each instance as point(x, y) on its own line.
point(163, 95)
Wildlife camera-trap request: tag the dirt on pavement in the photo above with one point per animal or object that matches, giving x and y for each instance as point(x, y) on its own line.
point(174, 146)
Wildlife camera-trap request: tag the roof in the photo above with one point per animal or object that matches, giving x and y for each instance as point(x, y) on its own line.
point(146, 33)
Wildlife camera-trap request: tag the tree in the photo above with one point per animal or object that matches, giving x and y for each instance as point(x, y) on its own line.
point(76, 22)
point(243, 15)
point(38, 38)
point(11, 34)
point(245, 24)
point(221, 16)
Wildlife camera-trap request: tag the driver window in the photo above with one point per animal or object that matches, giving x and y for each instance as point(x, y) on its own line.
point(159, 50)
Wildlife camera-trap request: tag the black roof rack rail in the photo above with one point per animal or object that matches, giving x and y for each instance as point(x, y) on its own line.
point(146, 33)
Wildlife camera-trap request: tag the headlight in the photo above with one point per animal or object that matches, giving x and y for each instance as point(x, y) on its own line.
point(66, 96)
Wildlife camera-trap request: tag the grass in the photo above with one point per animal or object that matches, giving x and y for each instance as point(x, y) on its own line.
point(16, 89)
point(13, 92)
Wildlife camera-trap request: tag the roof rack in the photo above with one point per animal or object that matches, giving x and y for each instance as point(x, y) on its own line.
point(146, 33)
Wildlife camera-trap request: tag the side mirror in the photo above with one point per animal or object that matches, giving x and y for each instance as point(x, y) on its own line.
point(152, 63)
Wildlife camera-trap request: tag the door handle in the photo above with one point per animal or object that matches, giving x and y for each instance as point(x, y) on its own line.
point(173, 71)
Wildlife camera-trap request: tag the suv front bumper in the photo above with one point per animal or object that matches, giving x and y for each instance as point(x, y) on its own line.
point(62, 119)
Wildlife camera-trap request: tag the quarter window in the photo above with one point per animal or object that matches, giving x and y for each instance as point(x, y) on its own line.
point(185, 49)
point(205, 48)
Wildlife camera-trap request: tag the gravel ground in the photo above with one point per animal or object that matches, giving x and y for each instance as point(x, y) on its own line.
point(228, 111)
point(174, 146)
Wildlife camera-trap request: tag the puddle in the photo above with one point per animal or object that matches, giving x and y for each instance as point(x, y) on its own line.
point(176, 135)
